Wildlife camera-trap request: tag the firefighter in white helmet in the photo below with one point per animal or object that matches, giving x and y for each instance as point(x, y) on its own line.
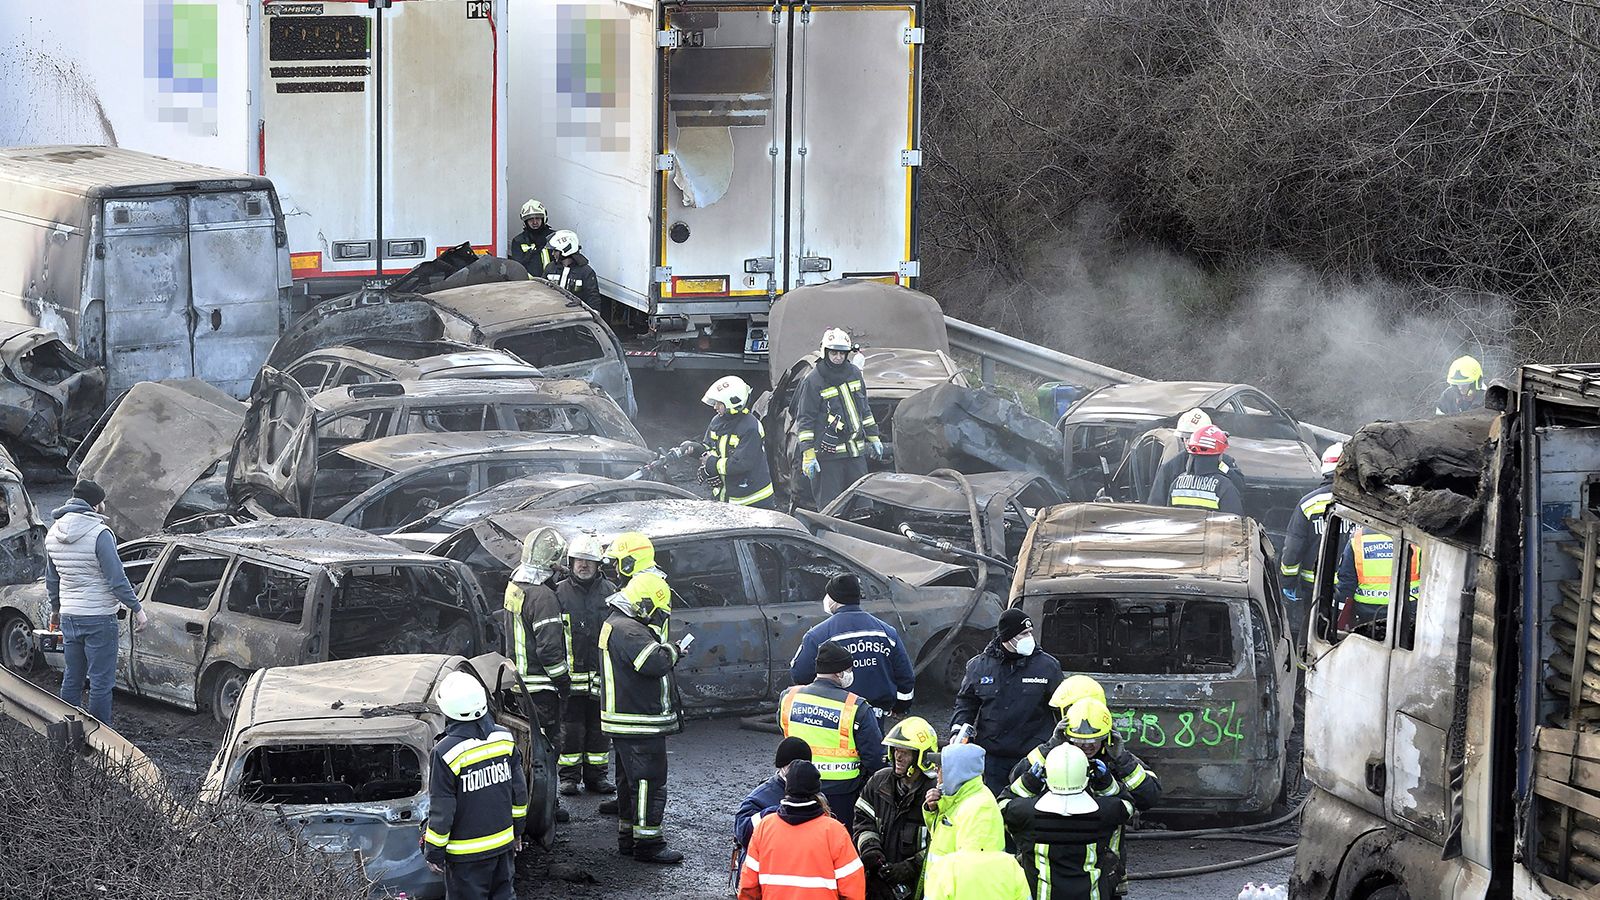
point(531, 246)
point(735, 465)
point(1187, 425)
point(837, 430)
point(569, 269)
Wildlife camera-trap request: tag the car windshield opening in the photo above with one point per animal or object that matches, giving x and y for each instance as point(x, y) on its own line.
point(383, 609)
point(330, 773)
point(1145, 635)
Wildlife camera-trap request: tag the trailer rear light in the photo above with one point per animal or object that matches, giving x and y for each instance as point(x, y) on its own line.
point(352, 250)
point(403, 248)
point(305, 263)
point(700, 285)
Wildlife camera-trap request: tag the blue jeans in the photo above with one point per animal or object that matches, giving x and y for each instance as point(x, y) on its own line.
point(91, 649)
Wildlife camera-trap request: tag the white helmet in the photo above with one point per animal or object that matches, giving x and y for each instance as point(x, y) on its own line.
point(836, 339)
point(730, 390)
point(586, 546)
point(1331, 456)
point(542, 551)
point(533, 208)
point(461, 697)
point(1192, 421)
point(564, 242)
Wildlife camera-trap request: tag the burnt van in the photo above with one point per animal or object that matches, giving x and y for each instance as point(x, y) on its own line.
point(1178, 613)
point(150, 267)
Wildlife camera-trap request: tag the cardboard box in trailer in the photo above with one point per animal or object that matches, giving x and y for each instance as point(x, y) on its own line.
point(291, 91)
point(712, 155)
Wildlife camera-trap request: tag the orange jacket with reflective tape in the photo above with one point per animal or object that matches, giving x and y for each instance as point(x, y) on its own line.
point(813, 860)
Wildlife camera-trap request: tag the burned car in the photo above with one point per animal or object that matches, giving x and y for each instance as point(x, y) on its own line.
point(1178, 612)
point(550, 491)
point(904, 349)
point(369, 361)
point(339, 751)
point(279, 593)
point(1107, 452)
point(749, 584)
point(22, 532)
point(49, 395)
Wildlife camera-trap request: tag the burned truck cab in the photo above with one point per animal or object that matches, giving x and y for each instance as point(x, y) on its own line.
point(1179, 615)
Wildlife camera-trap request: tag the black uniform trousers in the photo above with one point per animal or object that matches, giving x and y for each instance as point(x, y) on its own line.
point(585, 749)
point(548, 705)
point(839, 471)
point(641, 793)
point(489, 878)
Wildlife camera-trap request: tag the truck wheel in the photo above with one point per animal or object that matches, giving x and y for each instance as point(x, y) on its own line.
point(16, 643)
point(1389, 892)
point(222, 696)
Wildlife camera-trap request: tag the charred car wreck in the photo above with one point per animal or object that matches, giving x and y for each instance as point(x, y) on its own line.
point(49, 395)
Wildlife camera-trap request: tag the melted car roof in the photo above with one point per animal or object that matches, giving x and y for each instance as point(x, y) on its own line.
point(464, 389)
point(656, 519)
point(310, 540)
point(403, 452)
point(1144, 400)
point(345, 688)
point(1130, 540)
point(505, 302)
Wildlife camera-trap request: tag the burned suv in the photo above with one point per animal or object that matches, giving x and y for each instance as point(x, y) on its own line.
point(1178, 613)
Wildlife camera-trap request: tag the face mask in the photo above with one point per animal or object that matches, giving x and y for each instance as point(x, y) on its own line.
point(829, 606)
point(846, 679)
point(1026, 645)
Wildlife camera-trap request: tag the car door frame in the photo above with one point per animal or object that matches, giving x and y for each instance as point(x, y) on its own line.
point(165, 618)
point(229, 642)
point(704, 622)
point(125, 637)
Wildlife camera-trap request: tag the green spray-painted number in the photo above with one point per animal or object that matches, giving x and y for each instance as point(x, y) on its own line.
point(1217, 726)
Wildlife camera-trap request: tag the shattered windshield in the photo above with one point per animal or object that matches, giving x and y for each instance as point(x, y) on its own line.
point(383, 609)
point(1144, 635)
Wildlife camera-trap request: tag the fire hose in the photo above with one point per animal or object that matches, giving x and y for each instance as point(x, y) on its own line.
point(1234, 833)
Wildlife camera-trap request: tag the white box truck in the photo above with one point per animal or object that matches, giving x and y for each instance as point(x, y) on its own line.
point(380, 127)
point(713, 155)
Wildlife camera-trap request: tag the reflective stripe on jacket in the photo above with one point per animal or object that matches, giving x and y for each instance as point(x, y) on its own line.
point(583, 610)
point(832, 414)
point(536, 632)
point(811, 860)
point(740, 444)
point(828, 725)
point(637, 692)
point(477, 793)
point(1304, 537)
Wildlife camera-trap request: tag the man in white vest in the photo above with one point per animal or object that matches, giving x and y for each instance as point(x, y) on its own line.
point(85, 581)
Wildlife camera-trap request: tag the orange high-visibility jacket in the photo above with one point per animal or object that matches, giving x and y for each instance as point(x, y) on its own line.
point(814, 860)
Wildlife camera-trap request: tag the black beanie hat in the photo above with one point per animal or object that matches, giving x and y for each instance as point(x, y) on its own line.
point(89, 492)
point(1012, 622)
point(833, 659)
point(845, 589)
point(803, 782)
point(790, 749)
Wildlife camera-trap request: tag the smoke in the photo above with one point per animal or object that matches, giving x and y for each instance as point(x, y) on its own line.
point(1338, 352)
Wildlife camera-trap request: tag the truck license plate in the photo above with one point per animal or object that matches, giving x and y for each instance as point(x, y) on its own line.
point(755, 345)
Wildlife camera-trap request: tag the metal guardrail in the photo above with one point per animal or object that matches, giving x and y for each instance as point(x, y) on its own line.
point(71, 730)
point(995, 349)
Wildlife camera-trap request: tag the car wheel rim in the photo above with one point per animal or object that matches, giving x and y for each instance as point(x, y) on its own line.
point(18, 647)
point(228, 695)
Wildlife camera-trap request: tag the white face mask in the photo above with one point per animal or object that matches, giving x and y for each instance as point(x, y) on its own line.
point(830, 606)
point(1026, 645)
point(846, 679)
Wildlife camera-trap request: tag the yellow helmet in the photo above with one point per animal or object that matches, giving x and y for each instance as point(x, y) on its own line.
point(1466, 371)
point(1073, 689)
point(632, 552)
point(917, 735)
point(1088, 720)
point(646, 592)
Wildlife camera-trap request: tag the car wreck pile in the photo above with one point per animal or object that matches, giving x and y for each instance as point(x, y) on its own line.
point(343, 538)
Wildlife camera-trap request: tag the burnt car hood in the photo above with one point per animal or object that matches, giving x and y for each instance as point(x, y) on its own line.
point(1267, 462)
point(875, 314)
point(917, 571)
point(936, 494)
point(274, 455)
point(972, 430)
point(76, 397)
point(150, 447)
point(352, 317)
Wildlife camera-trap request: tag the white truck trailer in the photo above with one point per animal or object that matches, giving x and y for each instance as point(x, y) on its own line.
point(379, 127)
point(714, 155)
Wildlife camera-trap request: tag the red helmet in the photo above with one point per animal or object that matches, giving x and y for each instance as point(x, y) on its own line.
point(1208, 441)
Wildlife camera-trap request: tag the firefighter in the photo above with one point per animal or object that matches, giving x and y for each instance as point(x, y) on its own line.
point(966, 838)
point(639, 709)
point(581, 597)
point(531, 246)
point(1361, 586)
point(569, 269)
point(630, 554)
point(532, 625)
point(1065, 834)
point(1087, 726)
point(1005, 697)
point(836, 429)
point(477, 796)
point(840, 726)
point(1188, 423)
point(888, 829)
point(1027, 776)
point(1304, 540)
point(879, 661)
point(801, 853)
point(735, 463)
point(1463, 389)
point(1202, 484)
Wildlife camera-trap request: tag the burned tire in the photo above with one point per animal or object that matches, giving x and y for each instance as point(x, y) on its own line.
point(950, 668)
point(16, 643)
point(224, 685)
point(1389, 892)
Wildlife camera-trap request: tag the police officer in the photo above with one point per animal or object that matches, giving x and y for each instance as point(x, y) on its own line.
point(1188, 423)
point(569, 269)
point(639, 709)
point(1065, 833)
point(735, 465)
point(1202, 483)
point(836, 429)
point(881, 666)
point(1303, 542)
point(1005, 697)
point(888, 830)
point(477, 796)
point(581, 596)
point(1463, 389)
point(841, 727)
point(1362, 583)
point(531, 245)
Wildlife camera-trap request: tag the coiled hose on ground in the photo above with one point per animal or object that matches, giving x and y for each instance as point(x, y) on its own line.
point(1236, 833)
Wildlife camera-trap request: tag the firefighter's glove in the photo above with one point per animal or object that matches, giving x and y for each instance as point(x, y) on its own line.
point(1100, 779)
point(563, 685)
point(875, 448)
point(873, 860)
point(809, 464)
point(906, 871)
point(1037, 771)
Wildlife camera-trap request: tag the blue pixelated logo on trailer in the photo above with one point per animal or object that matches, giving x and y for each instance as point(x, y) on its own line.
point(180, 63)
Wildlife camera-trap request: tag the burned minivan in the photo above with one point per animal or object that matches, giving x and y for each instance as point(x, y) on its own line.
point(338, 752)
point(1178, 613)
